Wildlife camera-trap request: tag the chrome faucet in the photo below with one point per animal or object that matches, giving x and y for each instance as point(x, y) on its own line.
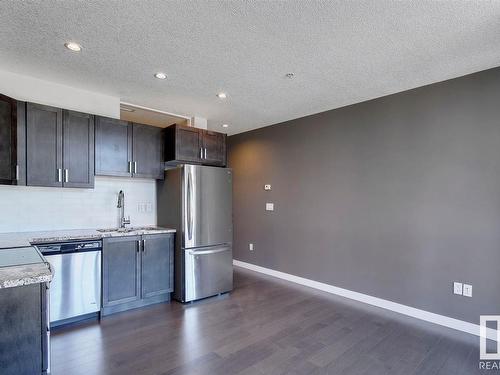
point(121, 206)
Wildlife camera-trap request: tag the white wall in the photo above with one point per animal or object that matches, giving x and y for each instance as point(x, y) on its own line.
point(39, 91)
point(26, 208)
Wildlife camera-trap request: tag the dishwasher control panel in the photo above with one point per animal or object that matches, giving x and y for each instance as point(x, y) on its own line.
point(70, 247)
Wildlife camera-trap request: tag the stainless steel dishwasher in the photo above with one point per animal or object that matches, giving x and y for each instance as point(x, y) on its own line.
point(75, 290)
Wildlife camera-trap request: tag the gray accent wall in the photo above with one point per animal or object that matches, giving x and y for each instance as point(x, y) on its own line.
point(396, 197)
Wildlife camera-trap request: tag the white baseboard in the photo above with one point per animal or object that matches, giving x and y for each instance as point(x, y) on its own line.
point(442, 320)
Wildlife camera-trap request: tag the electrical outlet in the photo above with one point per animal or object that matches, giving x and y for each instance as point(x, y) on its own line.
point(250, 246)
point(269, 206)
point(467, 289)
point(267, 187)
point(457, 288)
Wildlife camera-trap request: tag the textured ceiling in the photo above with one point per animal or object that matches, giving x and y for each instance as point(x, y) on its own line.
point(341, 52)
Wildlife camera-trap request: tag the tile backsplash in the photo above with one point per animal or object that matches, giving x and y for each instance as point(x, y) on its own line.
point(26, 208)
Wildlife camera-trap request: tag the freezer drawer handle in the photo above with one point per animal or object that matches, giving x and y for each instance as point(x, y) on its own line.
point(203, 252)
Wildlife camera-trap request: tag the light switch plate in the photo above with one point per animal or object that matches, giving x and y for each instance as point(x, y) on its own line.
point(250, 246)
point(269, 206)
point(267, 187)
point(467, 289)
point(457, 288)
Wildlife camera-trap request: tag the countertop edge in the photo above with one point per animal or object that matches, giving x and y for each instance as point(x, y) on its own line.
point(23, 239)
point(25, 274)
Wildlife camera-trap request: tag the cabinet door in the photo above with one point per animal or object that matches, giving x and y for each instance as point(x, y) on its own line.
point(157, 264)
point(78, 149)
point(113, 147)
point(214, 148)
point(44, 145)
point(21, 143)
point(120, 270)
point(188, 144)
point(8, 140)
point(147, 151)
point(21, 322)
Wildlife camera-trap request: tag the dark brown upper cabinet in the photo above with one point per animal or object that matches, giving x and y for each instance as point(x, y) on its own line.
point(113, 147)
point(185, 144)
point(43, 145)
point(147, 151)
point(78, 149)
point(12, 141)
point(8, 140)
point(59, 147)
point(126, 149)
point(214, 148)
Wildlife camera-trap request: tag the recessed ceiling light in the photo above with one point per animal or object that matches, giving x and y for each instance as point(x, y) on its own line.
point(72, 46)
point(290, 75)
point(160, 75)
point(225, 125)
point(222, 95)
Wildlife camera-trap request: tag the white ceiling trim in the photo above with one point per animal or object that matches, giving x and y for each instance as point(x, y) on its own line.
point(131, 105)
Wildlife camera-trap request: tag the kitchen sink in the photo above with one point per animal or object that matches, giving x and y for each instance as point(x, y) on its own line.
point(111, 230)
point(126, 230)
point(146, 228)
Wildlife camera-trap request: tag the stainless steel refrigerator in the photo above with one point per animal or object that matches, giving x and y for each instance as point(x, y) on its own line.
point(197, 201)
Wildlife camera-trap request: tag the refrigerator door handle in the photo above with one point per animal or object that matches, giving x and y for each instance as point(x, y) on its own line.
point(189, 214)
point(205, 252)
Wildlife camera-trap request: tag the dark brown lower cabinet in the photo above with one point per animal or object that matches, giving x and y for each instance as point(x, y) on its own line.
point(120, 270)
point(157, 266)
point(137, 271)
point(23, 320)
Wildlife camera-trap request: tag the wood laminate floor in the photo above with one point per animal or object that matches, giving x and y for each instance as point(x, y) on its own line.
point(265, 326)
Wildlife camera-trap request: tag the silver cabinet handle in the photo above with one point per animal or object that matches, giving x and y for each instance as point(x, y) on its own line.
point(138, 248)
point(143, 246)
point(66, 175)
point(59, 175)
point(17, 172)
point(201, 152)
point(135, 167)
point(205, 152)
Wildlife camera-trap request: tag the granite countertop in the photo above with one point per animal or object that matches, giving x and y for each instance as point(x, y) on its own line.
point(25, 275)
point(23, 266)
point(21, 239)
